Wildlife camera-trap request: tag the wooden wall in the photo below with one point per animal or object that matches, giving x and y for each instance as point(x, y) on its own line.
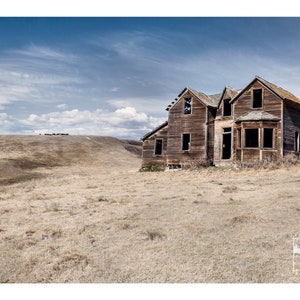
point(271, 102)
point(220, 123)
point(291, 123)
point(218, 139)
point(148, 154)
point(254, 155)
point(195, 124)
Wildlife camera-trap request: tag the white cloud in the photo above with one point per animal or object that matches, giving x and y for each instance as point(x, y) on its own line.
point(62, 106)
point(123, 122)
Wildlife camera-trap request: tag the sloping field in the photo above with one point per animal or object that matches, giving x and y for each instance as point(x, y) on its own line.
point(22, 157)
point(77, 209)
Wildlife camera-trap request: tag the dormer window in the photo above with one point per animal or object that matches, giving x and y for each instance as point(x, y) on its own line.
point(226, 108)
point(257, 98)
point(187, 106)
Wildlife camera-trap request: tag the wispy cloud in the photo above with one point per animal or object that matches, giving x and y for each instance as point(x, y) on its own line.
point(36, 74)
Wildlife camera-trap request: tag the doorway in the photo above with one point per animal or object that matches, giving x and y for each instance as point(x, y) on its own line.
point(226, 145)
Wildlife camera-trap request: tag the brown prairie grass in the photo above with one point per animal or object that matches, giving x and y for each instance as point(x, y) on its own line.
point(96, 218)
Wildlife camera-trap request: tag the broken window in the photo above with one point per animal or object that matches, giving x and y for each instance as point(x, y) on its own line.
point(268, 138)
point(158, 147)
point(186, 139)
point(226, 108)
point(187, 106)
point(257, 98)
point(297, 142)
point(251, 138)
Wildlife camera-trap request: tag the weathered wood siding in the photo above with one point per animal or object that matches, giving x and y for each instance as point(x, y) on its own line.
point(271, 102)
point(148, 155)
point(210, 133)
point(254, 155)
point(222, 122)
point(194, 124)
point(291, 124)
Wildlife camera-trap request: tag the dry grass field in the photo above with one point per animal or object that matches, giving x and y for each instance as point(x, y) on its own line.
point(77, 209)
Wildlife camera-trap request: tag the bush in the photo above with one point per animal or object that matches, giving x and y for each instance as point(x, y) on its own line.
point(152, 169)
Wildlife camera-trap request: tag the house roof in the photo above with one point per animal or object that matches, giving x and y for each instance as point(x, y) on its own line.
point(208, 100)
point(231, 92)
point(280, 92)
point(147, 135)
point(257, 116)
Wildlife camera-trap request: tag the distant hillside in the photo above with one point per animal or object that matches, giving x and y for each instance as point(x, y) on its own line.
point(21, 157)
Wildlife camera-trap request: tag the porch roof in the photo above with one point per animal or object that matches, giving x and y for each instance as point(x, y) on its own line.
point(257, 116)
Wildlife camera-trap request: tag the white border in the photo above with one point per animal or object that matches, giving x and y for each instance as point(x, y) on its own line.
point(189, 8)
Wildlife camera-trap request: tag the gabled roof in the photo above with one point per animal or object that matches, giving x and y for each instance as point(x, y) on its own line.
point(280, 92)
point(257, 116)
point(208, 100)
point(147, 135)
point(231, 92)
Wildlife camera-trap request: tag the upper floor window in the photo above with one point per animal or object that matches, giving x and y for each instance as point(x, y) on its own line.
point(187, 106)
point(226, 108)
point(257, 98)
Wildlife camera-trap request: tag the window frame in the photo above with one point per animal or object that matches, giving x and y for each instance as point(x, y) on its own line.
point(161, 147)
point(187, 109)
point(264, 135)
point(255, 100)
point(227, 105)
point(246, 139)
point(183, 143)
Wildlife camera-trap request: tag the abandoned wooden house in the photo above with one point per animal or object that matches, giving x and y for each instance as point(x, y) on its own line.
point(260, 122)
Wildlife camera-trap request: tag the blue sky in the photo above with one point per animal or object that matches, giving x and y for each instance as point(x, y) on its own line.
point(116, 75)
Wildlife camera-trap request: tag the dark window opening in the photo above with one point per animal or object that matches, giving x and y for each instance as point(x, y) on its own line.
point(158, 147)
point(227, 129)
point(251, 138)
point(226, 108)
point(186, 139)
point(187, 106)
point(239, 138)
point(297, 142)
point(268, 138)
point(226, 145)
point(257, 98)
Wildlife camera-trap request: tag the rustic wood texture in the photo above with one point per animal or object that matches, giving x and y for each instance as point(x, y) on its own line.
point(180, 123)
point(148, 154)
point(272, 104)
point(291, 124)
point(206, 123)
